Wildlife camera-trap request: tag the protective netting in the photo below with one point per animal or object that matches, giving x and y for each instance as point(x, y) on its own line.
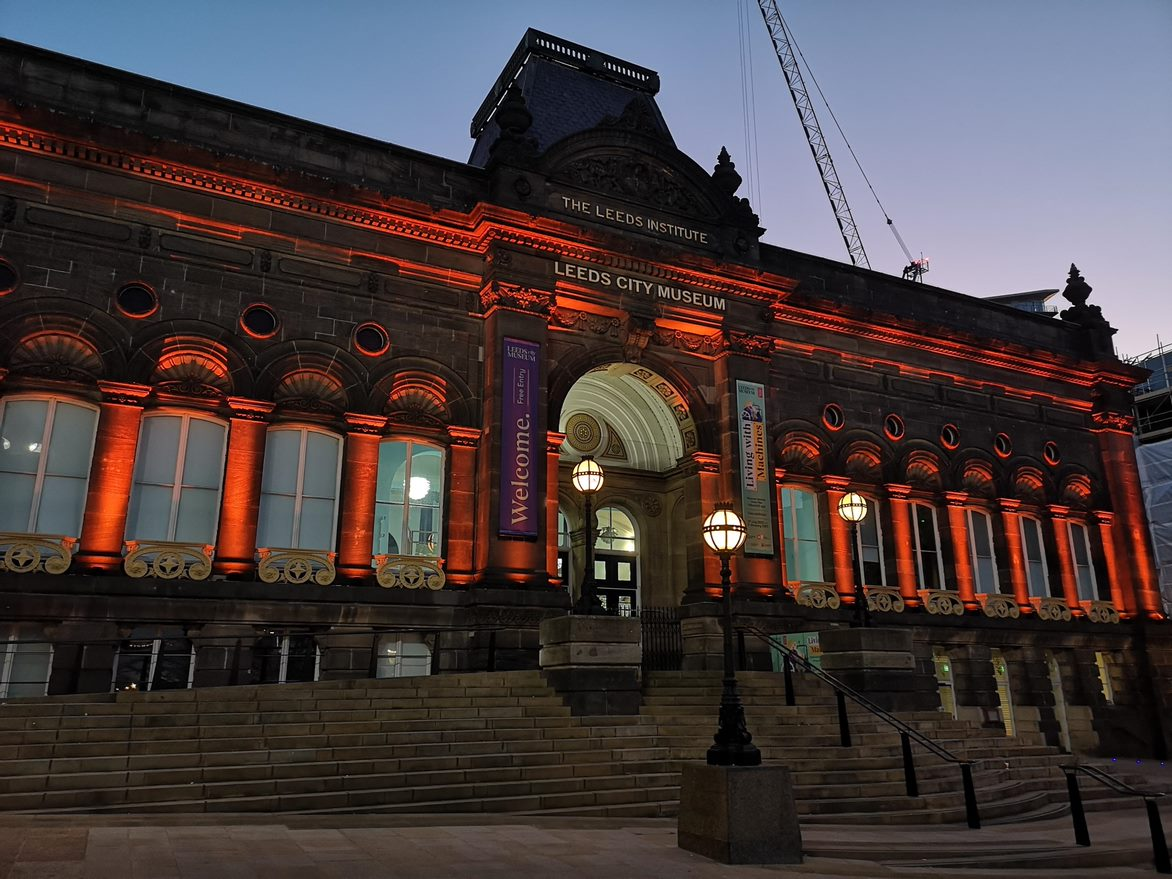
point(1155, 470)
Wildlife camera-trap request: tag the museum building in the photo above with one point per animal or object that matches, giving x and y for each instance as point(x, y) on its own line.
point(280, 402)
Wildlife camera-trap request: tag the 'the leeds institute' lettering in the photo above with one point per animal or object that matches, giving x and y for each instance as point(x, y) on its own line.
point(621, 217)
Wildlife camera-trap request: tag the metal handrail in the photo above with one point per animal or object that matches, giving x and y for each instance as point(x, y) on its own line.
point(907, 733)
point(1078, 815)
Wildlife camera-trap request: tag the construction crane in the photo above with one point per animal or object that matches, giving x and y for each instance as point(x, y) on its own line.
point(783, 44)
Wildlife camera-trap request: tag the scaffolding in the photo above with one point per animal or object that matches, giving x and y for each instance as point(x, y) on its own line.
point(1153, 425)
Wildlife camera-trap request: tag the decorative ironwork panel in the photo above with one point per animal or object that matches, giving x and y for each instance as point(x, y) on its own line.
point(663, 639)
point(884, 599)
point(168, 560)
point(295, 566)
point(25, 553)
point(940, 601)
point(1000, 607)
point(409, 572)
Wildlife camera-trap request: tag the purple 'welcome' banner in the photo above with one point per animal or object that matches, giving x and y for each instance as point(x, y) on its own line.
point(519, 495)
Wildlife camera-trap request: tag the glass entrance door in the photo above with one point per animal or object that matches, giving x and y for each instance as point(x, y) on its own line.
point(617, 584)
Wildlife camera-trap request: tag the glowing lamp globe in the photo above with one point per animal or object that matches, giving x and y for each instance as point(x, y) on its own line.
point(724, 531)
point(587, 476)
point(852, 507)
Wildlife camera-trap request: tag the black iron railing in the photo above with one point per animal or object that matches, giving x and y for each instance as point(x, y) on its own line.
point(907, 734)
point(1082, 835)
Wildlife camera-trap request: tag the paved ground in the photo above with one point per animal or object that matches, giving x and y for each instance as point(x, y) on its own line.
point(507, 847)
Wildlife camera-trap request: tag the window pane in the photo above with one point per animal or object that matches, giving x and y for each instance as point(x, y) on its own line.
point(62, 505)
point(317, 524)
point(1033, 540)
point(73, 436)
point(388, 527)
point(809, 561)
point(623, 572)
point(599, 570)
point(21, 435)
point(926, 527)
point(1078, 540)
point(321, 465)
point(275, 522)
point(392, 472)
point(16, 489)
point(158, 450)
point(986, 575)
point(29, 673)
point(198, 510)
point(150, 512)
point(806, 515)
point(979, 528)
point(282, 453)
point(203, 464)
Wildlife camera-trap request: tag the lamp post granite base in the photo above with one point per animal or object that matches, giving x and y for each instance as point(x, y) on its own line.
point(739, 814)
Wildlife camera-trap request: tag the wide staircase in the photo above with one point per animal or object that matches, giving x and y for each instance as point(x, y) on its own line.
point(488, 742)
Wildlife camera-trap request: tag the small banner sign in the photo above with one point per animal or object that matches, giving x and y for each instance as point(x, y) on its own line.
point(755, 481)
point(519, 497)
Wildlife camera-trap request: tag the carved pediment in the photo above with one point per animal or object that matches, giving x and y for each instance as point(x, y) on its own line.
point(636, 177)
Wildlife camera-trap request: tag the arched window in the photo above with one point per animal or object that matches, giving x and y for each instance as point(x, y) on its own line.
point(178, 476)
point(408, 514)
point(403, 656)
point(616, 562)
point(616, 531)
point(45, 449)
point(981, 550)
point(929, 565)
point(869, 546)
point(799, 533)
point(299, 489)
point(1080, 549)
point(1037, 575)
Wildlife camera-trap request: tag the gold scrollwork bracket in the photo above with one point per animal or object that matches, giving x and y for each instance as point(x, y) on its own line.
point(26, 553)
point(296, 566)
point(168, 560)
point(409, 572)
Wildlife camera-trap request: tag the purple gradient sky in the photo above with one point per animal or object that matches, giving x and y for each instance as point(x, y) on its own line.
point(1006, 138)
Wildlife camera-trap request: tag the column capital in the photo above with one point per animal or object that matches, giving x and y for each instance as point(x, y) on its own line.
point(706, 462)
point(1058, 511)
point(956, 498)
point(1009, 505)
point(123, 393)
point(898, 492)
point(778, 474)
point(837, 483)
point(464, 436)
point(250, 410)
point(554, 440)
point(1124, 422)
point(1103, 517)
point(358, 423)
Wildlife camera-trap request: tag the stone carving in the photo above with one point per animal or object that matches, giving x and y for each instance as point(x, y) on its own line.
point(517, 298)
point(884, 599)
point(57, 355)
point(614, 444)
point(1000, 607)
point(295, 566)
point(753, 346)
point(651, 505)
point(25, 553)
point(820, 595)
point(168, 560)
point(409, 572)
point(629, 177)
point(942, 602)
point(1114, 420)
point(638, 116)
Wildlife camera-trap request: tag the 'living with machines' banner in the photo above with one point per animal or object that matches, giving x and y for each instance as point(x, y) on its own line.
point(755, 481)
point(519, 495)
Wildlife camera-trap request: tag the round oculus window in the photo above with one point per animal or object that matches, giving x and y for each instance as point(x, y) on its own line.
point(832, 416)
point(137, 300)
point(260, 321)
point(949, 436)
point(1051, 453)
point(371, 339)
point(1002, 445)
point(7, 278)
point(893, 427)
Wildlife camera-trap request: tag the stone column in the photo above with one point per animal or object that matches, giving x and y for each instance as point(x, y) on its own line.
point(1010, 523)
point(959, 527)
point(460, 527)
point(1058, 521)
point(553, 446)
point(778, 477)
point(702, 491)
point(1105, 520)
point(359, 487)
point(905, 564)
point(111, 477)
point(240, 503)
point(840, 539)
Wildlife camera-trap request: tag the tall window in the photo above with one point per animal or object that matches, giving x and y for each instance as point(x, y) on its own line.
point(25, 666)
point(178, 474)
point(408, 514)
point(981, 549)
point(799, 526)
point(869, 546)
point(299, 489)
point(45, 451)
point(929, 566)
point(1084, 571)
point(1037, 576)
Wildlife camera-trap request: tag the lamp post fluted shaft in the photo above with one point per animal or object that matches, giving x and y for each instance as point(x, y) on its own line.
point(586, 599)
point(862, 618)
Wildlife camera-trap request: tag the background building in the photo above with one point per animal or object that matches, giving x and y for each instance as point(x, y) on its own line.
point(281, 402)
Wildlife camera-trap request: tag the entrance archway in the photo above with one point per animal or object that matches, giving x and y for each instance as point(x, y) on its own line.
point(639, 427)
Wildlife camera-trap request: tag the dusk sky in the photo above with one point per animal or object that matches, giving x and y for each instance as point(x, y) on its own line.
point(1006, 138)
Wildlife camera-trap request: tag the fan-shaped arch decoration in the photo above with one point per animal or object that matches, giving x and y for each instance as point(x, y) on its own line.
point(1029, 485)
point(418, 398)
point(977, 479)
point(864, 462)
point(922, 470)
point(57, 355)
point(193, 367)
point(1077, 492)
point(801, 453)
point(310, 390)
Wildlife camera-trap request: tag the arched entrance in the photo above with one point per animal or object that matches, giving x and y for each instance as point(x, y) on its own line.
point(637, 425)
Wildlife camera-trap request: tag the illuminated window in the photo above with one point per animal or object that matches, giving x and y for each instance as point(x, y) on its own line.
point(299, 489)
point(403, 656)
point(1004, 694)
point(944, 684)
point(564, 544)
point(981, 550)
point(1037, 574)
point(284, 659)
point(154, 660)
point(929, 565)
point(178, 475)
point(408, 514)
point(45, 451)
point(616, 531)
point(869, 546)
point(1084, 570)
point(25, 666)
point(799, 525)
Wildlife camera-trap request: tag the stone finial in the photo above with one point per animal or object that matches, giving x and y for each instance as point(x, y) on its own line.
point(1077, 289)
point(512, 115)
point(725, 175)
point(1097, 331)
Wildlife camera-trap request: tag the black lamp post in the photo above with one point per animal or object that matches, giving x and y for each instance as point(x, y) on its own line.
point(852, 507)
point(724, 532)
point(587, 478)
